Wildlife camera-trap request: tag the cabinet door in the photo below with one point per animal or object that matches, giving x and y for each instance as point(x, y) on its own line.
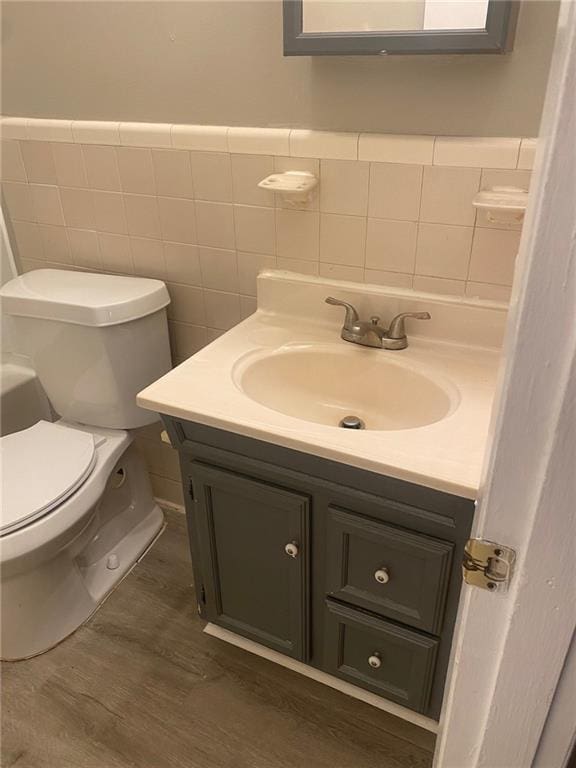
point(253, 542)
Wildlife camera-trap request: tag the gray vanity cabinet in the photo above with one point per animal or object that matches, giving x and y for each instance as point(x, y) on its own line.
point(253, 542)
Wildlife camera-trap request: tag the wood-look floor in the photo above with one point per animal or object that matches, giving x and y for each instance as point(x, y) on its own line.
point(141, 686)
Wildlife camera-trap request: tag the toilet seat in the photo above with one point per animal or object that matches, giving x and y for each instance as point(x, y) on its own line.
point(41, 467)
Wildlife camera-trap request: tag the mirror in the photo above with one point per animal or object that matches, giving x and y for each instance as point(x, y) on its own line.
point(360, 27)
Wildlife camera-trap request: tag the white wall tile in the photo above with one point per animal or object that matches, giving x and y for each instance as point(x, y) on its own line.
point(248, 305)
point(186, 340)
point(395, 148)
point(101, 165)
point(172, 173)
point(18, 198)
point(146, 134)
point(255, 229)
point(222, 309)
point(391, 279)
point(391, 245)
point(204, 138)
point(488, 292)
point(12, 165)
point(187, 304)
point(148, 257)
point(85, 248)
point(476, 152)
point(69, 164)
point(247, 172)
point(443, 250)
point(28, 240)
point(259, 141)
point(215, 225)
point(136, 170)
point(249, 265)
point(342, 272)
point(527, 154)
point(344, 187)
point(177, 219)
point(213, 333)
point(78, 207)
point(142, 216)
point(297, 234)
point(212, 176)
point(219, 269)
point(50, 130)
point(447, 195)
point(47, 205)
point(14, 127)
point(96, 132)
point(395, 191)
point(182, 263)
point(115, 253)
point(439, 285)
point(324, 144)
point(298, 265)
point(39, 162)
point(493, 256)
point(109, 213)
point(55, 244)
point(342, 239)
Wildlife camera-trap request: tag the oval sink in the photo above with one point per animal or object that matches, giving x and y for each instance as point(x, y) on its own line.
point(325, 386)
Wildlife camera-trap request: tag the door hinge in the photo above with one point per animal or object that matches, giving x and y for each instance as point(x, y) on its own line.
point(488, 565)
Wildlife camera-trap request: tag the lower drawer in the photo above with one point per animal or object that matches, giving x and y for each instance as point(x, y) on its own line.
point(382, 657)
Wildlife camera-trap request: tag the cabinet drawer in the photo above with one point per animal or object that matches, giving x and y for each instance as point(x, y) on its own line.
point(396, 573)
point(382, 657)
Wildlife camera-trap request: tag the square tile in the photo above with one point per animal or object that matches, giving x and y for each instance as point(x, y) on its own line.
point(395, 191)
point(101, 165)
point(298, 234)
point(391, 279)
point(39, 162)
point(474, 152)
point(342, 239)
point(247, 172)
point(341, 272)
point(391, 245)
point(47, 205)
point(447, 195)
point(219, 269)
point(148, 257)
point(28, 240)
point(187, 304)
point(443, 251)
point(297, 265)
point(212, 176)
point(182, 264)
point(69, 163)
point(255, 229)
point(488, 292)
point(395, 148)
point(12, 165)
point(249, 266)
point(324, 144)
point(78, 207)
point(213, 333)
point(439, 285)
point(186, 340)
point(173, 173)
point(109, 213)
point(259, 141)
point(204, 138)
point(248, 305)
point(215, 224)
point(55, 243)
point(493, 256)
point(222, 309)
point(18, 200)
point(136, 170)
point(115, 253)
point(344, 187)
point(177, 219)
point(142, 217)
point(85, 248)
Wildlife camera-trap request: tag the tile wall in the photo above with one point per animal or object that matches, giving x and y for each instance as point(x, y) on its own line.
point(181, 203)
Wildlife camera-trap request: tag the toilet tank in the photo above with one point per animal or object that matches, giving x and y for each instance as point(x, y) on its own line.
point(94, 340)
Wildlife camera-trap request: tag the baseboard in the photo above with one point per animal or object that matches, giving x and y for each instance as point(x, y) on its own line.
point(322, 677)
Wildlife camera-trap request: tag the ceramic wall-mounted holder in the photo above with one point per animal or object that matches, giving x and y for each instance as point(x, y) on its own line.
point(295, 187)
point(503, 205)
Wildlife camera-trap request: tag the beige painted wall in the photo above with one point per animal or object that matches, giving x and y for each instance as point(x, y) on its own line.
point(218, 62)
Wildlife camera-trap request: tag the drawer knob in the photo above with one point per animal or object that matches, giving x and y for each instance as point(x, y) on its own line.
point(291, 549)
point(382, 576)
point(375, 661)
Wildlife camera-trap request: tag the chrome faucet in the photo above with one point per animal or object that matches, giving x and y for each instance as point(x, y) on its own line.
point(371, 333)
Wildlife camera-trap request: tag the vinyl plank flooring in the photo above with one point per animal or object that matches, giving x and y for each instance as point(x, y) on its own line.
point(141, 686)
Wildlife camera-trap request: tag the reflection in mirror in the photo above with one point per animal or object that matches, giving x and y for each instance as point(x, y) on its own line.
point(392, 15)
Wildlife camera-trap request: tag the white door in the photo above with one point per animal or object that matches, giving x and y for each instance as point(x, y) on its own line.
point(509, 649)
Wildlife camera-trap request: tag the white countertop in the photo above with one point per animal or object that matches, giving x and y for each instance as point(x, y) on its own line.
point(446, 455)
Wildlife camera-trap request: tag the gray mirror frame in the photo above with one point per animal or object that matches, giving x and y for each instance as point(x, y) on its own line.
point(495, 38)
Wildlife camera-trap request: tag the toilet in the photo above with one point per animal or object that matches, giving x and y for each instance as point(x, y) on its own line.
point(77, 510)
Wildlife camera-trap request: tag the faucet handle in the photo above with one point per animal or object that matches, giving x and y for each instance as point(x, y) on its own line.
point(397, 329)
point(351, 313)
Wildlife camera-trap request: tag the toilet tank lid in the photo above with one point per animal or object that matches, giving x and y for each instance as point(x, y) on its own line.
point(82, 298)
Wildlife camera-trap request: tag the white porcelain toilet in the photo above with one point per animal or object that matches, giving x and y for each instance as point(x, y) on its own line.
point(77, 509)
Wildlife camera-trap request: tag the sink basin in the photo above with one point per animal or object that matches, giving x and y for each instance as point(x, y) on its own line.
point(325, 385)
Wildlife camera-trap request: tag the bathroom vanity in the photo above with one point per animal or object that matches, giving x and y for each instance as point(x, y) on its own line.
point(340, 549)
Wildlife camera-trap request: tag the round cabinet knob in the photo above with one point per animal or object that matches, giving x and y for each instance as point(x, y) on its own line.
point(291, 549)
point(375, 661)
point(382, 576)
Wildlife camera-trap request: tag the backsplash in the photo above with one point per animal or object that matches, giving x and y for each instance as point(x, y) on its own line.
point(181, 203)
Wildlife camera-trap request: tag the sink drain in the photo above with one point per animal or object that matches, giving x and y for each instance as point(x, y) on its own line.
point(352, 422)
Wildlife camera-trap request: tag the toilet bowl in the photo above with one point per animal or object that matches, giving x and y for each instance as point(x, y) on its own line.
point(77, 509)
